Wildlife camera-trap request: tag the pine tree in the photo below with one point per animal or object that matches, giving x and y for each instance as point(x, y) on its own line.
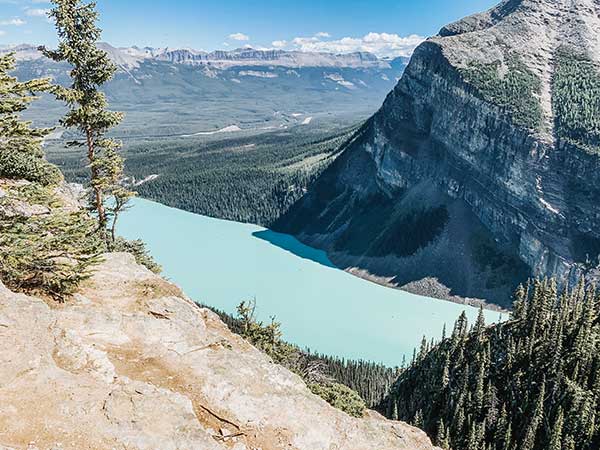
point(394, 410)
point(479, 326)
point(556, 434)
point(536, 420)
point(78, 35)
point(442, 440)
point(509, 383)
point(418, 420)
point(21, 154)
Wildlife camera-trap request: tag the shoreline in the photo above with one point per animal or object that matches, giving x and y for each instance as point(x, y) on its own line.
point(426, 287)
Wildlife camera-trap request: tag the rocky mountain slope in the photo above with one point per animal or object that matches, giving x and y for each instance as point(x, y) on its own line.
point(131, 362)
point(481, 167)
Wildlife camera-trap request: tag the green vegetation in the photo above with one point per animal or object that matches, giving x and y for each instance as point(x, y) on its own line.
point(21, 155)
point(340, 397)
point(348, 385)
point(503, 265)
point(47, 245)
point(406, 231)
point(530, 383)
point(576, 100)
point(512, 87)
point(252, 178)
point(138, 249)
point(43, 248)
point(87, 105)
point(49, 252)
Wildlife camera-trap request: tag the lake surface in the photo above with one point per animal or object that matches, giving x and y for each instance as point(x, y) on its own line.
point(220, 263)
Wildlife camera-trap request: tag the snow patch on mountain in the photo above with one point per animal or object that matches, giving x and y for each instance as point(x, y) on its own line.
point(257, 73)
point(132, 57)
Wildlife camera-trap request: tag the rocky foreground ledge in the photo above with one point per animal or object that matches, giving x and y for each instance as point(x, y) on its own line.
point(131, 363)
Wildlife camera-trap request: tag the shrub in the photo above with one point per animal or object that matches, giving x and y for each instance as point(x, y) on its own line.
point(138, 249)
point(18, 165)
point(49, 254)
point(340, 397)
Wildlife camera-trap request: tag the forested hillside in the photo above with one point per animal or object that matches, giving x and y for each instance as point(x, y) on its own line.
point(249, 178)
point(532, 383)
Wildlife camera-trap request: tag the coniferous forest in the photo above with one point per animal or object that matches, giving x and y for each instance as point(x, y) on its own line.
point(530, 383)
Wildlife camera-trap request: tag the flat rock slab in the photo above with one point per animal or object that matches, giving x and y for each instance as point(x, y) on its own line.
point(130, 362)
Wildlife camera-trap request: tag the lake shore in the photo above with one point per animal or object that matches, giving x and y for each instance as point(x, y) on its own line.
point(427, 287)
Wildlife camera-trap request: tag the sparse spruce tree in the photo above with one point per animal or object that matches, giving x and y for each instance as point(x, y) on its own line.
point(91, 67)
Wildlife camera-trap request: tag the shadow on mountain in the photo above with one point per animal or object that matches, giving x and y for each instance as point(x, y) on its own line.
point(294, 246)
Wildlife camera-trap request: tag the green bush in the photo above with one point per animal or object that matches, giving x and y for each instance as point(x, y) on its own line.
point(340, 397)
point(49, 254)
point(26, 166)
point(138, 249)
point(268, 339)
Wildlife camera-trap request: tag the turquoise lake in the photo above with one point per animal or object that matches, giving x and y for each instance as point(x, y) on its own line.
point(220, 263)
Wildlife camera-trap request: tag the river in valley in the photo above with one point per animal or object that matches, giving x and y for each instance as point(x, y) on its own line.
point(220, 263)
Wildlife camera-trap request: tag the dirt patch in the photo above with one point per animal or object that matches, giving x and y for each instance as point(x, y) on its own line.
point(130, 362)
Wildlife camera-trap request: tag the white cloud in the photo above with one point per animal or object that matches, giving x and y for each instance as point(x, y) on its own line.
point(279, 44)
point(2, 32)
point(37, 12)
point(239, 37)
point(16, 22)
point(323, 34)
point(381, 44)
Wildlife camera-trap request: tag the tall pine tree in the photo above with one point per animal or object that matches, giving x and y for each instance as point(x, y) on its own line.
point(91, 67)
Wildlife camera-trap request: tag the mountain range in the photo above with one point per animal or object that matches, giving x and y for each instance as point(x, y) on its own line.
point(129, 57)
point(183, 91)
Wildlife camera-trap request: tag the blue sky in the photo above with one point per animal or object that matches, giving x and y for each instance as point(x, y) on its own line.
point(387, 27)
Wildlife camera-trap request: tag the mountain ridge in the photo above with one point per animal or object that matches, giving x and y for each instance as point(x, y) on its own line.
point(482, 152)
point(130, 57)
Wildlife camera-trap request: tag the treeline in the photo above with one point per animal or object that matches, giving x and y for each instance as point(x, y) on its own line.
point(531, 383)
point(371, 381)
point(248, 179)
point(576, 99)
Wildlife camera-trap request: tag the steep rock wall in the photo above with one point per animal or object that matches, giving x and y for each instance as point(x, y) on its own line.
point(470, 130)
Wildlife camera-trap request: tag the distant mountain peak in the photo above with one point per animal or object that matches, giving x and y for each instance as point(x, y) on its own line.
point(131, 57)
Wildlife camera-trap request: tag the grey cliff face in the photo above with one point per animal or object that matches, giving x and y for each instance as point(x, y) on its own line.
point(466, 175)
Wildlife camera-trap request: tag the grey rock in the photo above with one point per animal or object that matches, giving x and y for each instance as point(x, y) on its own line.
point(438, 143)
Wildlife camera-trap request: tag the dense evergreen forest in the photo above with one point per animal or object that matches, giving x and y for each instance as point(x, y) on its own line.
point(531, 383)
point(576, 89)
point(251, 178)
point(514, 88)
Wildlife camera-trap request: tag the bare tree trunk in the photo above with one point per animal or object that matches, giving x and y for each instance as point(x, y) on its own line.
point(98, 195)
point(113, 228)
